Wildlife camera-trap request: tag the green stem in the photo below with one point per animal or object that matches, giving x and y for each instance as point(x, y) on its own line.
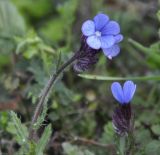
point(122, 145)
point(131, 144)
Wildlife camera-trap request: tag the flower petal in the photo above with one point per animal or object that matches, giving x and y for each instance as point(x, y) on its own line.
point(118, 38)
point(88, 28)
point(129, 89)
point(112, 51)
point(117, 92)
point(112, 28)
point(107, 41)
point(100, 21)
point(94, 42)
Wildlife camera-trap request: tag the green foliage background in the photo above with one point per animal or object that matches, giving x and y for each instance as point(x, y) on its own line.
point(34, 34)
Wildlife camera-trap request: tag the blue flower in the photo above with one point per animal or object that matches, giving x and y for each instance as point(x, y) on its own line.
point(103, 34)
point(123, 95)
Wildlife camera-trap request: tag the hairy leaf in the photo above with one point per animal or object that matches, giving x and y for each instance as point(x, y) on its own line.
point(43, 140)
point(18, 129)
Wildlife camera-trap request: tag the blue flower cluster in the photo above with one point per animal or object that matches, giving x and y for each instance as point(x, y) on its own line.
point(104, 34)
point(98, 34)
point(101, 33)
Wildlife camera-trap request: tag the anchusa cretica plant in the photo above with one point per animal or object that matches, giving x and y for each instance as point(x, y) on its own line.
point(97, 34)
point(100, 35)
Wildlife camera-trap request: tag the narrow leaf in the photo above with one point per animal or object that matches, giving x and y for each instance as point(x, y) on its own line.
point(11, 22)
point(41, 118)
point(20, 129)
point(146, 50)
point(43, 140)
point(109, 78)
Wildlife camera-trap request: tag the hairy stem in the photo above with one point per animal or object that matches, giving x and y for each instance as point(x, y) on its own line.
point(122, 145)
point(46, 91)
point(131, 147)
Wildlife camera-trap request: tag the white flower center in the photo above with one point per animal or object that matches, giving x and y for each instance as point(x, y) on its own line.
point(98, 33)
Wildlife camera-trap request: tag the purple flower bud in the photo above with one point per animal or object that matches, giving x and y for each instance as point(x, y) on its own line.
point(84, 63)
point(86, 57)
point(122, 119)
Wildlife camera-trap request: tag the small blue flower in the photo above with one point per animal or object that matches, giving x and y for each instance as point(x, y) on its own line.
point(123, 95)
point(103, 34)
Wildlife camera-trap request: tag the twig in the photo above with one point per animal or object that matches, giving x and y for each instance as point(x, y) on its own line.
point(10, 105)
point(85, 141)
point(81, 141)
point(46, 91)
point(9, 144)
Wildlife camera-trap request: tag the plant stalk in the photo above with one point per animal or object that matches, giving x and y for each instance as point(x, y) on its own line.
point(46, 91)
point(131, 146)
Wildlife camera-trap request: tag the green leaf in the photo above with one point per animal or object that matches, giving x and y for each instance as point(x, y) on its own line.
point(8, 16)
point(153, 148)
point(4, 60)
point(67, 11)
point(156, 129)
point(155, 47)
point(109, 78)
point(11, 25)
point(30, 53)
point(4, 119)
point(153, 119)
point(142, 137)
point(54, 29)
point(35, 9)
point(148, 51)
point(74, 150)
point(108, 134)
point(18, 129)
point(43, 140)
point(158, 15)
point(10, 83)
point(65, 94)
point(30, 41)
point(6, 45)
point(70, 149)
point(87, 152)
point(41, 118)
point(28, 149)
